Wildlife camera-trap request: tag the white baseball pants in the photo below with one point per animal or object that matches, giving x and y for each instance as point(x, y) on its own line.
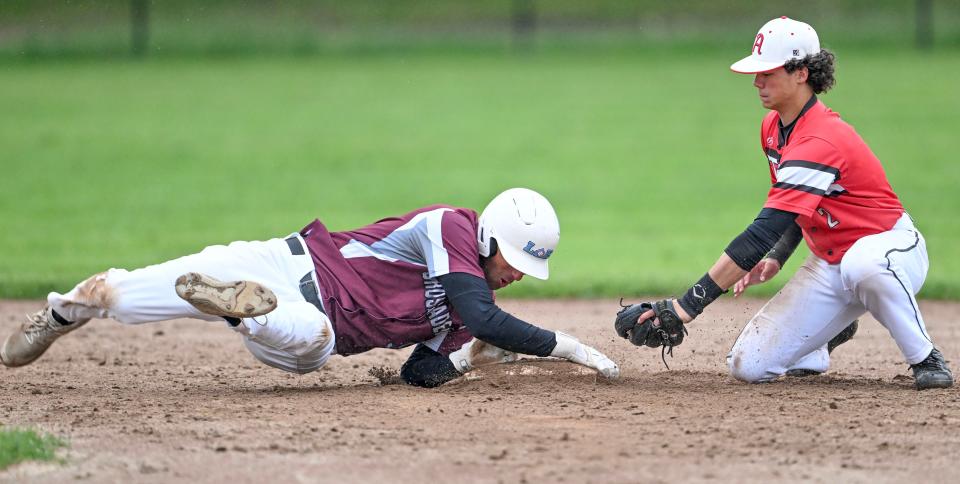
point(295, 337)
point(880, 273)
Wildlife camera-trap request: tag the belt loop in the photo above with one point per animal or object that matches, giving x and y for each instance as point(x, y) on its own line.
point(309, 290)
point(296, 248)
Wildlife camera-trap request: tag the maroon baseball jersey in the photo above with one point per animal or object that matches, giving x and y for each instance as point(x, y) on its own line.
point(379, 283)
point(826, 173)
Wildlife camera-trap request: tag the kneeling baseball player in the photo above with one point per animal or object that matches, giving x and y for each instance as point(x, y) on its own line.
point(828, 187)
point(424, 278)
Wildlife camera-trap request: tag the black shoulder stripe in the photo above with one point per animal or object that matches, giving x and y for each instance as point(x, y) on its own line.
point(802, 188)
point(773, 155)
point(813, 166)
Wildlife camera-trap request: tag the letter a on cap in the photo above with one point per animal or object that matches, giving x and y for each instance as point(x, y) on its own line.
point(757, 44)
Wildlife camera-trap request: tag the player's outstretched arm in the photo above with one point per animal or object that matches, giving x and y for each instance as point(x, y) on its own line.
point(456, 353)
point(472, 299)
point(476, 353)
point(661, 323)
point(428, 368)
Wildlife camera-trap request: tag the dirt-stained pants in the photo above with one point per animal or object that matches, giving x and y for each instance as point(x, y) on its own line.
point(880, 273)
point(295, 337)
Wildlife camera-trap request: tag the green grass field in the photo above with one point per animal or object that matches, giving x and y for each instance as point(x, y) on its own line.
point(652, 160)
point(17, 445)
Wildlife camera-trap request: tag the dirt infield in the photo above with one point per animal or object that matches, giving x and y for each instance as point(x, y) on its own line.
point(184, 401)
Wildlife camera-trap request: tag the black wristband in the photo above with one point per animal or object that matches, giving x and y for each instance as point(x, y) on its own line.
point(700, 295)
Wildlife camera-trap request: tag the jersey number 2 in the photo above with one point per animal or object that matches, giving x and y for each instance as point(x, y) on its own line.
point(830, 221)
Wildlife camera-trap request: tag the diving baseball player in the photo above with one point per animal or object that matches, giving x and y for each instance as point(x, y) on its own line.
point(828, 188)
point(425, 278)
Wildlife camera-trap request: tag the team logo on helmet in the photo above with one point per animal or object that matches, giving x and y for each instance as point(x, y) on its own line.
point(540, 253)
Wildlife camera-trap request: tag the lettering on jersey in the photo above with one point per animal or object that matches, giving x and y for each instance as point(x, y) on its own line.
point(540, 253)
point(830, 221)
point(435, 302)
point(757, 44)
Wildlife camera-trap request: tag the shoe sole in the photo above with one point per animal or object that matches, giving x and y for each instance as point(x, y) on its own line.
point(235, 299)
point(936, 382)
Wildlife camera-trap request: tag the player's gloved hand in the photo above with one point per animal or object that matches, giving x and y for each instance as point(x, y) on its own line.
point(571, 349)
point(478, 353)
point(651, 324)
point(629, 327)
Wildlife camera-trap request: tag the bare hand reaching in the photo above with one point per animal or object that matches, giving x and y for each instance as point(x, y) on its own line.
point(765, 270)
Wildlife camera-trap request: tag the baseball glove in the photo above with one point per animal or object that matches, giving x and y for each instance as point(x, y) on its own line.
point(668, 334)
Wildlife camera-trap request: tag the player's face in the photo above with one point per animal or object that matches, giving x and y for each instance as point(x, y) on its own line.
point(499, 274)
point(778, 89)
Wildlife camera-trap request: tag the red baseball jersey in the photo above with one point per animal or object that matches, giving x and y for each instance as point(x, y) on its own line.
point(823, 171)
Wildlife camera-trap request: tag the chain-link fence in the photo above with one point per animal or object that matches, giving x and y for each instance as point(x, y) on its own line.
point(38, 28)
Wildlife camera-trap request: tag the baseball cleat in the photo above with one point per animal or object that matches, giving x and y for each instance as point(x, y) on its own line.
point(844, 336)
point(34, 337)
point(932, 372)
point(234, 299)
point(839, 339)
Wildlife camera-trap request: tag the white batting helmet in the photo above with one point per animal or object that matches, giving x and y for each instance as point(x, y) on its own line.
point(525, 227)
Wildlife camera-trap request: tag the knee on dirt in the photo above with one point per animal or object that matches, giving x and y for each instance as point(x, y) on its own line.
point(748, 369)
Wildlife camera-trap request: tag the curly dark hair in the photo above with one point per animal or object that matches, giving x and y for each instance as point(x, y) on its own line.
point(820, 66)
